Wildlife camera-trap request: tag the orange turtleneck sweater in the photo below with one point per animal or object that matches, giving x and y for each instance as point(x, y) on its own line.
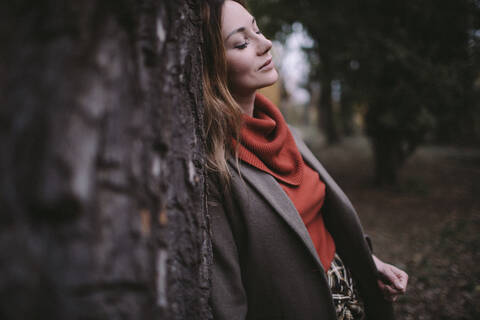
point(267, 144)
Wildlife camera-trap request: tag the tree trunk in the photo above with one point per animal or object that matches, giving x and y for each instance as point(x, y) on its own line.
point(347, 111)
point(327, 119)
point(102, 198)
point(387, 160)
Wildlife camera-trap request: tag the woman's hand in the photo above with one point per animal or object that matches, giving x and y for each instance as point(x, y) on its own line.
point(392, 281)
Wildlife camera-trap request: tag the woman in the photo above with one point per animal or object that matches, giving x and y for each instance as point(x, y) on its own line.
point(286, 240)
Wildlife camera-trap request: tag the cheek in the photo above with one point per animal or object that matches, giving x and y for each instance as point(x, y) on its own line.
point(238, 66)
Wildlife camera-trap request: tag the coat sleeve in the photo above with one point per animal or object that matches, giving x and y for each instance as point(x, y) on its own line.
point(228, 298)
point(369, 242)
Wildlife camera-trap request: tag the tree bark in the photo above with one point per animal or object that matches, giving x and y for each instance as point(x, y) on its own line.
point(102, 192)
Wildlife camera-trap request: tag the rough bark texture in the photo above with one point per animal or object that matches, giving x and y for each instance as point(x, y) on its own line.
point(102, 202)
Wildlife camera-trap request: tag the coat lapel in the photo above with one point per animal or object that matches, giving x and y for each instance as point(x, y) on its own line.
point(333, 190)
point(268, 187)
point(340, 217)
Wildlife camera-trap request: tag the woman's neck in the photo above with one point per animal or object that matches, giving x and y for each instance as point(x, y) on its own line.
point(246, 102)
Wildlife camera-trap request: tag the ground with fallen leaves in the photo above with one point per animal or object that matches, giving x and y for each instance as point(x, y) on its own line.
point(429, 225)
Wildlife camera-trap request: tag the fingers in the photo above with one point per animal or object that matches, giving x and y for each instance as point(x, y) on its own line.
point(392, 277)
point(389, 293)
point(400, 279)
point(392, 281)
point(403, 278)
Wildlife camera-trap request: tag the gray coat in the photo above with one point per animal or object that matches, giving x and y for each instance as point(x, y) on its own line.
point(265, 264)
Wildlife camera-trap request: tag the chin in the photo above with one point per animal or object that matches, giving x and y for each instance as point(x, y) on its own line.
point(270, 80)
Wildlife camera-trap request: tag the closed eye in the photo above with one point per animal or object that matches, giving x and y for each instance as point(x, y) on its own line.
point(242, 46)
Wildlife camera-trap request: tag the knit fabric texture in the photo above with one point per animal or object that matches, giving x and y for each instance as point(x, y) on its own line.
point(267, 144)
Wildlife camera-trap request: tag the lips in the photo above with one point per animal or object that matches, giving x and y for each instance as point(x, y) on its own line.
point(266, 64)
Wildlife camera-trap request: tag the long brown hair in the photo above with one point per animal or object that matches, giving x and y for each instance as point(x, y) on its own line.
point(223, 115)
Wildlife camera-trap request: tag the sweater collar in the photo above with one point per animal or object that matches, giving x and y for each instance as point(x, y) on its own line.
point(267, 143)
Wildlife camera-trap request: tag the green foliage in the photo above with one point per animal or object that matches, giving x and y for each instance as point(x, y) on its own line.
point(413, 63)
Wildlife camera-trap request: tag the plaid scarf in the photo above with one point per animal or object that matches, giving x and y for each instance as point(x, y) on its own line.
point(348, 304)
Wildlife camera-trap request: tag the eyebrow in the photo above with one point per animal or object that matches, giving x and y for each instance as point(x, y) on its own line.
point(241, 29)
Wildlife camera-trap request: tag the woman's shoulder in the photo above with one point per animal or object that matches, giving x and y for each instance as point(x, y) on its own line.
point(218, 186)
point(213, 180)
point(296, 133)
point(214, 196)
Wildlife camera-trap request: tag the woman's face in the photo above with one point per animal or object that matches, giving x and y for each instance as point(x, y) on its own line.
point(249, 62)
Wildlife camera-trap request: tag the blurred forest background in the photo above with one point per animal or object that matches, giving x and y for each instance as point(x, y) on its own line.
point(393, 111)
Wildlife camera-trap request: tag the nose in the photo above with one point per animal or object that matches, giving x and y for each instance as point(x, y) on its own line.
point(264, 45)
